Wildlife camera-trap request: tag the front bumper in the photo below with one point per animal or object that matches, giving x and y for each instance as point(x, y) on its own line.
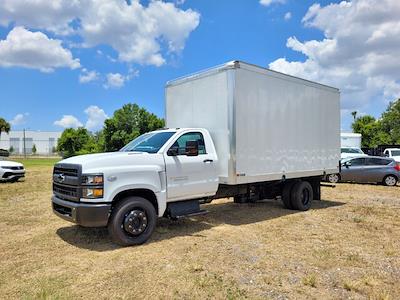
point(87, 215)
point(10, 175)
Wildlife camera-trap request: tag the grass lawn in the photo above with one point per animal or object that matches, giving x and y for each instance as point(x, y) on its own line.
point(345, 247)
point(36, 161)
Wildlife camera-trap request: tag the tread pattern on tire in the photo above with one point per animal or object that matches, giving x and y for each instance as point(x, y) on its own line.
point(295, 195)
point(286, 198)
point(118, 234)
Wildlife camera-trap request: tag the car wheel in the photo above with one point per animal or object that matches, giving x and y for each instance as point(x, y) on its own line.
point(302, 196)
point(390, 180)
point(132, 221)
point(333, 178)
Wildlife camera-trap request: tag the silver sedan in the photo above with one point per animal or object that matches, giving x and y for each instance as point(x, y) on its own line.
point(367, 170)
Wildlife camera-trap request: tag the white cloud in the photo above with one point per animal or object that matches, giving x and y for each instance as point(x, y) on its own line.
point(288, 16)
point(19, 119)
point(96, 117)
point(68, 121)
point(23, 48)
point(88, 76)
point(138, 33)
point(114, 80)
point(52, 15)
point(359, 53)
point(117, 80)
point(269, 2)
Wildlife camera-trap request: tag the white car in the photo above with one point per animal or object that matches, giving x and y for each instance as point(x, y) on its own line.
point(392, 153)
point(347, 152)
point(11, 171)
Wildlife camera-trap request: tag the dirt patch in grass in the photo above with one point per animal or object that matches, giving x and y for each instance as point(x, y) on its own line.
point(346, 246)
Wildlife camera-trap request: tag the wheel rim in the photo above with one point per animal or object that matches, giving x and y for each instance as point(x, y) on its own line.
point(135, 222)
point(305, 196)
point(390, 180)
point(333, 178)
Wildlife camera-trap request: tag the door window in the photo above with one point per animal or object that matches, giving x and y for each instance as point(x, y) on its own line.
point(378, 161)
point(358, 162)
point(180, 143)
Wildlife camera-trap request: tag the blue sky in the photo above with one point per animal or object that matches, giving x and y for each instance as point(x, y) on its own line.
point(290, 36)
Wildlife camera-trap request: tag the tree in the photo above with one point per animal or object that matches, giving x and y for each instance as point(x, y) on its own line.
point(75, 141)
point(371, 131)
point(391, 121)
point(128, 123)
point(354, 114)
point(4, 126)
point(34, 150)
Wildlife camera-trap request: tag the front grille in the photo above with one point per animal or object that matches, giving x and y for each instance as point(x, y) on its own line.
point(65, 190)
point(66, 171)
point(66, 180)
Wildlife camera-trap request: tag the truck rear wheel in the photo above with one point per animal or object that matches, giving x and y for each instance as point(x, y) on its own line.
point(132, 221)
point(287, 189)
point(301, 196)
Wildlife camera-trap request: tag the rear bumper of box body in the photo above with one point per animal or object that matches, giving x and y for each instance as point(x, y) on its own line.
point(87, 215)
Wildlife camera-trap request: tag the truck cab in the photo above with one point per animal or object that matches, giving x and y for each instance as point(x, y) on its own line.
point(392, 153)
point(157, 168)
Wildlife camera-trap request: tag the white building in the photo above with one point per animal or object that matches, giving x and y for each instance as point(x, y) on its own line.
point(44, 141)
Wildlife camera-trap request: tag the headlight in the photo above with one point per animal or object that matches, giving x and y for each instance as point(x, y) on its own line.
point(92, 193)
point(92, 186)
point(92, 179)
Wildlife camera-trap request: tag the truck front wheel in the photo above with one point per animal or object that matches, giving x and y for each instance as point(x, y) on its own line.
point(301, 195)
point(132, 221)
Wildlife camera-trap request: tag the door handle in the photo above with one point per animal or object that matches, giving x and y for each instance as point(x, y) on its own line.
point(207, 160)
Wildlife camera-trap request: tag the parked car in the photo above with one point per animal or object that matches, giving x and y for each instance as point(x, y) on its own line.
point(347, 152)
point(367, 170)
point(393, 153)
point(4, 153)
point(11, 171)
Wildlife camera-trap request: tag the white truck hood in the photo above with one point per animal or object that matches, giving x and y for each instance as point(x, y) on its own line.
point(102, 161)
point(9, 163)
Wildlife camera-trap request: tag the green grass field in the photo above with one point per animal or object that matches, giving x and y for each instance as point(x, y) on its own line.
point(345, 247)
point(36, 161)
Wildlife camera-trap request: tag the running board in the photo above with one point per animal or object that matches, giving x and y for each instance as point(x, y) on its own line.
point(198, 213)
point(188, 208)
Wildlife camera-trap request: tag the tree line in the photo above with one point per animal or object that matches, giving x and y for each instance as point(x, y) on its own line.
point(382, 131)
point(126, 124)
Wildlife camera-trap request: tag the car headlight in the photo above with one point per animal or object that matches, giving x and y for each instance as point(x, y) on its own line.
point(92, 193)
point(92, 179)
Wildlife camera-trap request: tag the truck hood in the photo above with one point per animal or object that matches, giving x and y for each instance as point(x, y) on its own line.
point(100, 162)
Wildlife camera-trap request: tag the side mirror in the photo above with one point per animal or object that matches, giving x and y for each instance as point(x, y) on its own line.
point(386, 155)
point(173, 151)
point(347, 164)
point(192, 148)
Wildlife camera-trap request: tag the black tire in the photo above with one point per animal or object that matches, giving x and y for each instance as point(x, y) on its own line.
point(132, 221)
point(301, 196)
point(390, 180)
point(287, 189)
point(333, 178)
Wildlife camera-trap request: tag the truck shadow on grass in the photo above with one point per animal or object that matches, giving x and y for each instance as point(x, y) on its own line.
point(97, 239)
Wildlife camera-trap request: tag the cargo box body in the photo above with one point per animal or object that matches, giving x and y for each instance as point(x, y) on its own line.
point(265, 125)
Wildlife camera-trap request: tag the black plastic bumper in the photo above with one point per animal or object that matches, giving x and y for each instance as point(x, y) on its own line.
point(87, 215)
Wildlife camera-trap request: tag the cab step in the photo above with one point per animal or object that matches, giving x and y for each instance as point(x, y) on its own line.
point(181, 209)
point(198, 213)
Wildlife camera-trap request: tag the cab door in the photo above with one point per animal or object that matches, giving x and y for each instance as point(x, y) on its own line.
point(190, 176)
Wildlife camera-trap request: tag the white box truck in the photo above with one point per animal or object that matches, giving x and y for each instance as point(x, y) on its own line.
point(236, 130)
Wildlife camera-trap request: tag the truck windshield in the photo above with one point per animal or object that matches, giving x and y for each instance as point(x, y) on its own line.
point(352, 150)
point(149, 142)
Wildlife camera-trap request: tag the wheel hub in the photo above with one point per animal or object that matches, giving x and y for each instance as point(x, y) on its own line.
point(135, 222)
